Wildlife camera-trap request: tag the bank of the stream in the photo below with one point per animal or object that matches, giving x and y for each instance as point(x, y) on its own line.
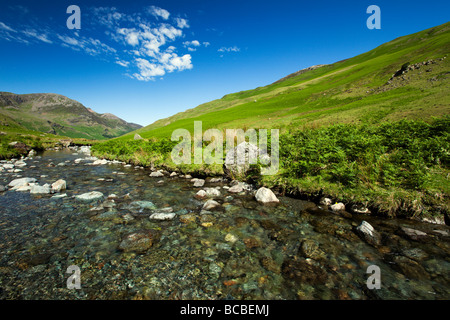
point(393, 169)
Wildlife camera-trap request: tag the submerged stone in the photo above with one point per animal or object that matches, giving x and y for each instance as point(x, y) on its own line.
point(142, 205)
point(90, 196)
point(412, 234)
point(368, 233)
point(302, 272)
point(310, 249)
point(138, 242)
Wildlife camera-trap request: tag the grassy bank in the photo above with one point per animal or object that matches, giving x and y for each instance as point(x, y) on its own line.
point(33, 140)
point(396, 168)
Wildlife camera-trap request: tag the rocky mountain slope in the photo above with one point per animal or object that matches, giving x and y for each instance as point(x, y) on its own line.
point(57, 114)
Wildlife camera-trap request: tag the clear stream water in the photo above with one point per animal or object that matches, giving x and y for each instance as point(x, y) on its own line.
point(244, 250)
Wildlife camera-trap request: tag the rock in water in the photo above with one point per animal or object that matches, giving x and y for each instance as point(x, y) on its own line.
point(162, 216)
point(310, 249)
point(21, 182)
point(90, 196)
point(212, 193)
point(200, 195)
point(156, 174)
point(199, 183)
point(210, 204)
point(369, 234)
point(302, 272)
point(138, 242)
point(141, 205)
point(40, 189)
point(236, 188)
point(266, 195)
point(59, 185)
point(412, 233)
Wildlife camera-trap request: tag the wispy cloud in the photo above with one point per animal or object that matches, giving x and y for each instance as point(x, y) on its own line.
point(229, 49)
point(123, 63)
point(5, 27)
point(149, 44)
point(35, 34)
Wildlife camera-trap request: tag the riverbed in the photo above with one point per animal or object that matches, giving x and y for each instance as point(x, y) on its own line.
point(241, 249)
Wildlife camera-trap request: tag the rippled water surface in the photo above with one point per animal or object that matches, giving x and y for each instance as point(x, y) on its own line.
point(241, 250)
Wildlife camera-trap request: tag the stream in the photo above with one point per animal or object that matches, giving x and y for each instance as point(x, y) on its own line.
point(149, 237)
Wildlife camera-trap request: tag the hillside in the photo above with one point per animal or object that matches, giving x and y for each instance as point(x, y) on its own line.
point(361, 89)
point(372, 131)
point(58, 115)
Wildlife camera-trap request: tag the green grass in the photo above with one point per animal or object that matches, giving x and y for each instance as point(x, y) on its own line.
point(345, 91)
point(344, 132)
point(396, 168)
point(35, 140)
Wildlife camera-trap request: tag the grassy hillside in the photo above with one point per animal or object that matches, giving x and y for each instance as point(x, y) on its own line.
point(58, 115)
point(371, 130)
point(355, 90)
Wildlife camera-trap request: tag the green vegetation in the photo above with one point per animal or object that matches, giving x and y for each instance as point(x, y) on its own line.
point(394, 168)
point(398, 167)
point(372, 130)
point(356, 90)
point(344, 132)
point(37, 141)
point(58, 115)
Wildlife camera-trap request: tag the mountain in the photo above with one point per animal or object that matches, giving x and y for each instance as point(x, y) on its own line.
point(404, 78)
point(59, 115)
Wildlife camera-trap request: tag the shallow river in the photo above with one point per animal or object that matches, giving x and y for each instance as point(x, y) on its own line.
point(240, 250)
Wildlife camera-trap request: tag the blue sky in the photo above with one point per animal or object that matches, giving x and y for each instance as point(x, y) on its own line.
point(147, 60)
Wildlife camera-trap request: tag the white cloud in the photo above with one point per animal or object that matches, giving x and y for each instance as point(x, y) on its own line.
point(69, 40)
point(123, 63)
point(229, 49)
point(194, 43)
point(143, 42)
point(89, 45)
point(182, 23)
point(206, 44)
point(34, 34)
point(159, 12)
point(5, 27)
point(166, 62)
point(131, 35)
point(147, 70)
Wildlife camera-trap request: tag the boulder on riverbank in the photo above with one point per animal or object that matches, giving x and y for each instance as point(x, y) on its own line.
point(157, 174)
